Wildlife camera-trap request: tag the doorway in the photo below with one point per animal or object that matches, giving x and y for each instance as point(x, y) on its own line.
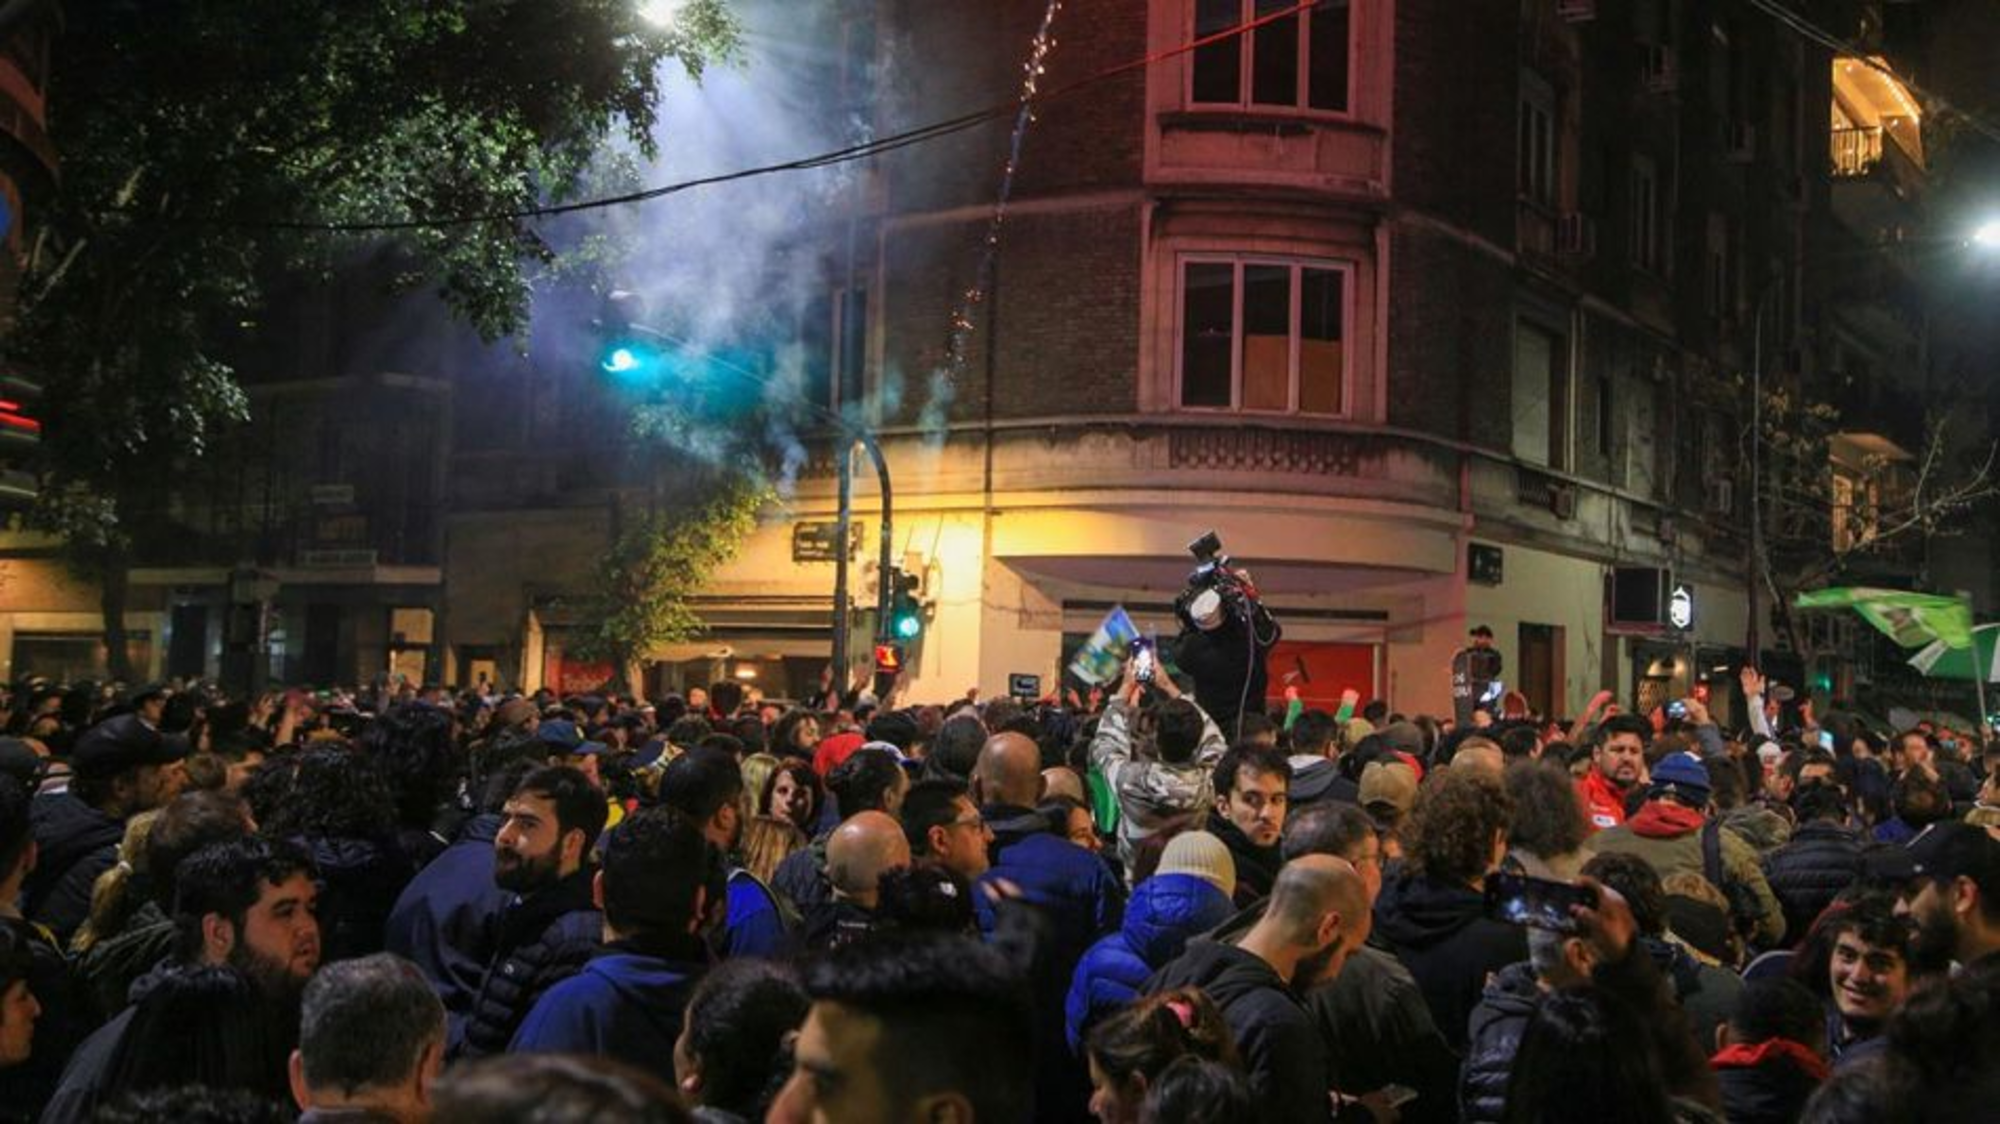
point(1541, 671)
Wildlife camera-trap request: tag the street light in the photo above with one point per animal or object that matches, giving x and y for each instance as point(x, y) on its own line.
point(661, 13)
point(1987, 236)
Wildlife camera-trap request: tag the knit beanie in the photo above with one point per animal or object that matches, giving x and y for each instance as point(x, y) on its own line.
point(1202, 855)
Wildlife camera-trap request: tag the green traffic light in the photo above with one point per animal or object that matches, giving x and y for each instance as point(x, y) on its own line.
point(621, 360)
point(908, 626)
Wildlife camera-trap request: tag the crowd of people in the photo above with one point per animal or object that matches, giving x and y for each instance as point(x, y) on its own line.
point(424, 904)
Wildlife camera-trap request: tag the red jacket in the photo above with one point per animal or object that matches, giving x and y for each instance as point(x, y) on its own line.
point(1603, 802)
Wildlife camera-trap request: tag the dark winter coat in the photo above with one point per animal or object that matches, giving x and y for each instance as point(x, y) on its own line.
point(89, 1068)
point(74, 844)
point(1807, 873)
point(360, 880)
point(1077, 899)
point(447, 920)
point(1274, 1034)
point(624, 1004)
point(1256, 867)
point(1493, 1037)
point(801, 876)
point(544, 939)
point(1768, 1083)
point(1442, 935)
point(1320, 782)
point(836, 924)
point(65, 1020)
point(1165, 911)
point(756, 923)
point(106, 972)
point(1377, 1030)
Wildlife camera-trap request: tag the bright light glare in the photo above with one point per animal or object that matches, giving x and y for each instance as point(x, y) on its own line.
point(621, 360)
point(661, 13)
point(908, 627)
point(1987, 237)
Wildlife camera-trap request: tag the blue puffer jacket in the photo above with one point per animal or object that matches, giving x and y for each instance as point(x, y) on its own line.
point(1164, 912)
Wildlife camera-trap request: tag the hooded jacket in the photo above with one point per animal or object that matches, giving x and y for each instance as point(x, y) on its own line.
point(1768, 1083)
point(625, 1004)
point(1165, 911)
point(1377, 1030)
point(1442, 935)
point(74, 844)
point(361, 880)
point(1151, 793)
point(544, 938)
point(89, 1070)
point(1493, 1037)
point(1807, 873)
point(1603, 802)
point(1316, 780)
point(447, 920)
point(1280, 1046)
point(801, 875)
point(1668, 836)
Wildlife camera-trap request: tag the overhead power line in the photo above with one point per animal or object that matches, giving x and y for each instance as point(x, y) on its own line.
point(862, 151)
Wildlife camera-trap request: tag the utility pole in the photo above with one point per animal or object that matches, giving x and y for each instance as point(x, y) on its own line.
point(842, 610)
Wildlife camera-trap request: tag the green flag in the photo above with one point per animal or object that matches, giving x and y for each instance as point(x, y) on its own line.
point(1913, 620)
point(1941, 662)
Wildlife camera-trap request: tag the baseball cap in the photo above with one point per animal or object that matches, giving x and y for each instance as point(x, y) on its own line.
point(20, 761)
point(1390, 783)
point(1953, 850)
point(124, 742)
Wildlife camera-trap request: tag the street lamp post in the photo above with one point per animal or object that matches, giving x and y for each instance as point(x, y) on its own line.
point(851, 435)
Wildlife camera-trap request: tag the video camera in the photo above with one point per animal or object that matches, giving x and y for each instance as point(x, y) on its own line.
point(1216, 572)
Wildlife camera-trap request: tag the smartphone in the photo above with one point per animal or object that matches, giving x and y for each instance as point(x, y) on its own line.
point(1677, 709)
point(1537, 903)
point(1143, 661)
point(1826, 741)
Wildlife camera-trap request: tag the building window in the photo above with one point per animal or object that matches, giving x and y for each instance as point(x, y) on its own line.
point(1721, 288)
point(1300, 61)
point(1536, 148)
point(1648, 216)
point(1607, 417)
point(1264, 336)
point(1541, 401)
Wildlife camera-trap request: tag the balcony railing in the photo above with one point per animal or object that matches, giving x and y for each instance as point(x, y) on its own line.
point(1856, 151)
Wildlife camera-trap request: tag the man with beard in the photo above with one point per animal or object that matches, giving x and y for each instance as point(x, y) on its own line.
point(1251, 791)
point(246, 904)
point(1954, 900)
point(1317, 916)
point(551, 928)
point(1617, 765)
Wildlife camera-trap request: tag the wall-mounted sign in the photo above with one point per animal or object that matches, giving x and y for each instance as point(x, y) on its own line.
point(1680, 608)
point(814, 542)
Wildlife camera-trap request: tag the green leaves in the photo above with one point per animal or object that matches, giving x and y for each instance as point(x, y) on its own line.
point(661, 559)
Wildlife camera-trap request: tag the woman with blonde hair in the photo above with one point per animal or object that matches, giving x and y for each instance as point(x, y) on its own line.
point(757, 770)
point(768, 841)
point(113, 900)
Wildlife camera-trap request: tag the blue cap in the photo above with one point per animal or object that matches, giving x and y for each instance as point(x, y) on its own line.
point(560, 731)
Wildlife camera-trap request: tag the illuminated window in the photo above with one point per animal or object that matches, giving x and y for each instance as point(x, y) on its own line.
point(1299, 61)
point(1265, 336)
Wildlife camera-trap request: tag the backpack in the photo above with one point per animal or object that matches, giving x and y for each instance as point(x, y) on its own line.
point(1744, 908)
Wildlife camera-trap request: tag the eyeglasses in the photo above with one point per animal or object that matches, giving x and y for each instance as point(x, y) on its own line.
point(972, 820)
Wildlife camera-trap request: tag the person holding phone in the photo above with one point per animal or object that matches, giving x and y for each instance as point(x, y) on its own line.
point(1171, 786)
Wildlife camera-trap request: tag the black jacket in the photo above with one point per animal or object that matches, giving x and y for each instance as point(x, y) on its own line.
point(1493, 1038)
point(65, 1020)
point(1322, 781)
point(1256, 867)
point(448, 920)
point(90, 1066)
point(1807, 873)
point(74, 843)
point(1228, 667)
point(801, 876)
point(1280, 1046)
point(1442, 935)
point(1773, 1092)
point(1377, 1030)
point(107, 971)
point(359, 883)
point(544, 939)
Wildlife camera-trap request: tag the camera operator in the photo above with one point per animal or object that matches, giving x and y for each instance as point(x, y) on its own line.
point(1226, 637)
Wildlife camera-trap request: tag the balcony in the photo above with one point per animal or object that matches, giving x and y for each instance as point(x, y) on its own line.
point(1856, 152)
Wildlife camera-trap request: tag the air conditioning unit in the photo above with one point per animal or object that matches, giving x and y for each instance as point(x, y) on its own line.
point(1739, 142)
point(1721, 495)
point(1576, 235)
point(1662, 72)
point(1576, 11)
point(1562, 500)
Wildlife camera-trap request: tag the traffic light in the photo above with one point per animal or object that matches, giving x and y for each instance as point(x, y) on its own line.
point(906, 616)
point(628, 352)
point(20, 439)
point(888, 659)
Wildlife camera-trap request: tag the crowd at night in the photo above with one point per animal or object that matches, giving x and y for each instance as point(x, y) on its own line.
point(415, 904)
